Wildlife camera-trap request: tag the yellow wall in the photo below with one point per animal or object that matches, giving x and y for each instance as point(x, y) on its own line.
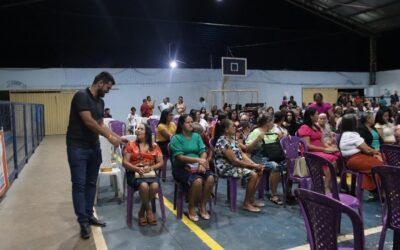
point(56, 108)
point(330, 94)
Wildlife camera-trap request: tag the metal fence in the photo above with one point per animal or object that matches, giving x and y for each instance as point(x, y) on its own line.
point(23, 125)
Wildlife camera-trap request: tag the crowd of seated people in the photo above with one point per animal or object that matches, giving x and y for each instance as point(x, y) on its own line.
point(239, 136)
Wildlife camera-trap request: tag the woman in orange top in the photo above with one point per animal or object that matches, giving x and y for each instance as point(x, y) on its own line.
point(143, 156)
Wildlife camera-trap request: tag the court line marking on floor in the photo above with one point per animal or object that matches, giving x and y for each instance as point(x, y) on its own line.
point(203, 236)
point(99, 241)
point(342, 238)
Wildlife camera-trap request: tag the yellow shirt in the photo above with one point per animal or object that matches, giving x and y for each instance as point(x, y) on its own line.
point(171, 128)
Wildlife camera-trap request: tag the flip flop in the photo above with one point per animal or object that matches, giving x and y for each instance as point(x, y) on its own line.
point(255, 210)
point(277, 200)
point(205, 216)
point(259, 204)
point(194, 218)
point(151, 218)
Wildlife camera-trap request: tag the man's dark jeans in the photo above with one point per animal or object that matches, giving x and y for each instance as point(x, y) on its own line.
point(84, 164)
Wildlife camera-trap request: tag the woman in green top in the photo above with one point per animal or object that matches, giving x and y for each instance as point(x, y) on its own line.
point(367, 131)
point(264, 131)
point(188, 148)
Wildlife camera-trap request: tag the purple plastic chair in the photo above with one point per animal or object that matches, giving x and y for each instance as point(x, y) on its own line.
point(391, 154)
point(293, 147)
point(153, 125)
point(315, 165)
point(321, 214)
point(118, 127)
point(129, 204)
point(389, 180)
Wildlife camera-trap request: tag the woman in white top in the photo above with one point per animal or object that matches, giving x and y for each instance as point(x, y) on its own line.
point(384, 125)
point(358, 155)
point(279, 118)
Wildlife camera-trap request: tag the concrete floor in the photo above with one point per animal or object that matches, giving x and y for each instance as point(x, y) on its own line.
point(27, 223)
point(37, 211)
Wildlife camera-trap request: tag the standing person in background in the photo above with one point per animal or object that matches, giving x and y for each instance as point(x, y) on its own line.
point(83, 148)
point(144, 109)
point(292, 102)
point(165, 105)
point(321, 106)
point(395, 97)
point(382, 102)
point(133, 119)
point(150, 104)
point(107, 113)
point(202, 103)
point(284, 101)
point(180, 106)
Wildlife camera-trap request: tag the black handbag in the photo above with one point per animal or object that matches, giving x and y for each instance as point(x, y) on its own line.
point(273, 151)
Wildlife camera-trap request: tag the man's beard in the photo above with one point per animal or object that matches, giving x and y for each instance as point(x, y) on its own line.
point(100, 93)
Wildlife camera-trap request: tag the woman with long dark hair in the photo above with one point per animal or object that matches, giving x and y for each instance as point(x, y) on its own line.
point(230, 161)
point(190, 166)
point(165, 130)
point(312, 135)
point(142, 157)
point(368, 132)
point(384, 125)
point(358, 155)
point(290, 123)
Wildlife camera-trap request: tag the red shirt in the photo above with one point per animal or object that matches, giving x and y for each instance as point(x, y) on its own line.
point(145, 110)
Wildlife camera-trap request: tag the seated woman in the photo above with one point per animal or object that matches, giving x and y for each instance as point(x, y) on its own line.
point(188, 148)
point(312, 135)
point(264, 131)
point(358, 155)
point(279, 118)
point(290, 123)
point(143, 156)
point(230, 161)
point(397, 129)
point(327, 134)
point(233, 116)
point(196, 116)
point(384, 125)
point(368, 132)
point(165, 130)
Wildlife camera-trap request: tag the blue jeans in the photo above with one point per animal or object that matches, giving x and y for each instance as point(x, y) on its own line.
point(84, 164)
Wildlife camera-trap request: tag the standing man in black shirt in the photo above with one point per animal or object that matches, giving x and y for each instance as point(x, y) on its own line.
point(83, 148)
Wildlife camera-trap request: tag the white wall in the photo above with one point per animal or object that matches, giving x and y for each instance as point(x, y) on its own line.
point(135, 84)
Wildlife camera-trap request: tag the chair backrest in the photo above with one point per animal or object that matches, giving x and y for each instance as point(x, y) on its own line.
point(293, 147)
point(153, 125)
point(118, 127)
point(315, 164)
point(321, 214)
point(391, 154)
point(106, 151)
point(389, 177)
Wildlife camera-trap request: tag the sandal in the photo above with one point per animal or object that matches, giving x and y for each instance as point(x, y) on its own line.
point(258, 204)
point(252, 209)
point(142, 220)
point(194, 218)
point(205, 216)
point(151, 218)
point(275, 199)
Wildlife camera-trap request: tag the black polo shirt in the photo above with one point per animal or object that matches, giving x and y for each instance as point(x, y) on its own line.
point(78, 135)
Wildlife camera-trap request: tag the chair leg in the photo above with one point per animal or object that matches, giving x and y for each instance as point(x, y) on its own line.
point(285, 191)
point(179, 211)
point(383, 236)
point(164, 169)
point(129, 206)
point(216, 190)
point(232, 190)
point(175, 194)
point(261, 186)
point(228, 191)
point(161, 201)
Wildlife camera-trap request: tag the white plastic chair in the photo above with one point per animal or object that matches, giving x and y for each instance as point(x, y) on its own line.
point(116, 175)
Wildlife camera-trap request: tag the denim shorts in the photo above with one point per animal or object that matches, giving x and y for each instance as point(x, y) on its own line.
point(269, 165)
